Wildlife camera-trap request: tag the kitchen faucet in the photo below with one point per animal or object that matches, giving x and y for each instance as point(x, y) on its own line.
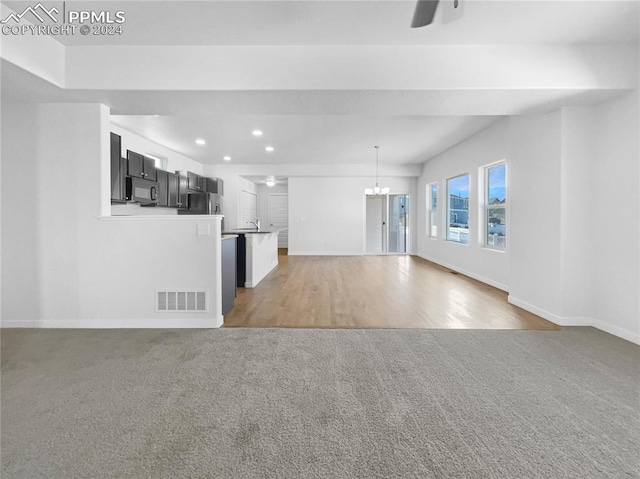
point(255, 223)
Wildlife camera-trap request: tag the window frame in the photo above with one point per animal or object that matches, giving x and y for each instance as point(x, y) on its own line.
point(448, 209)
point(431, 211)
point(486, 206)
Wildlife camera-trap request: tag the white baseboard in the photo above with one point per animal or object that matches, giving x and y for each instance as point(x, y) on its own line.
point(156, 323)
point(482, 279)
point(554, 318)
point(617, 331)
point(577, 321)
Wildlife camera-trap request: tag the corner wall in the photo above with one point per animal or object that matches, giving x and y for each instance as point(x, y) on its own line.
point(573, 253)
point(534, 232)
point(469, 156)
point(615, 217)
point(83, 270)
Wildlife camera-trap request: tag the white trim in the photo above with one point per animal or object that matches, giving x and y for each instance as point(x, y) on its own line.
point(151, 323)
point(577, 321)
point(616, 331)
point(554, 318)
point(490, 282)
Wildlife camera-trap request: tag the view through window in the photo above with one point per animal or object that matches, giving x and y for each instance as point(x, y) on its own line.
point(432, 204)
point(496, 206)
point(458, 209)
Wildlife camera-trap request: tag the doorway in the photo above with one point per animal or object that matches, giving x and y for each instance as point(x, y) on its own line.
point(387, 224)
point(279, 217)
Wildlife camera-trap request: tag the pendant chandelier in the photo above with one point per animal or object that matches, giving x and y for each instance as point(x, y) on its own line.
point(376, 190)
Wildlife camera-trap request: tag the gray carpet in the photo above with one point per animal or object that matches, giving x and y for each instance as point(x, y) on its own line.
point(292, 403)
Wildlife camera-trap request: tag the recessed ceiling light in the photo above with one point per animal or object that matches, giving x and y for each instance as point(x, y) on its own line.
point(200, 141)
point(269, 148)
point(256, 132)
point(227, 158)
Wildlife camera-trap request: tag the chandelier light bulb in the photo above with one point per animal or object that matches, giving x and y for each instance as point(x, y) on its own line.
point(376, 190)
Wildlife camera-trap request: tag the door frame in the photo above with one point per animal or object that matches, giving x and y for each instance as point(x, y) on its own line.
point(269, 211)
point(386, 216)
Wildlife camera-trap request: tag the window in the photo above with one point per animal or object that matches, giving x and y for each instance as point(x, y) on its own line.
point(458, 209)
point(432, 208)
point(160, 161)
point(496, 206)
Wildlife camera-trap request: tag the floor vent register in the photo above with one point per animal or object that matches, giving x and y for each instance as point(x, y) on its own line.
point(184, 301)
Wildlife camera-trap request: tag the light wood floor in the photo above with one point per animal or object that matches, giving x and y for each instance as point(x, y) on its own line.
point(375, 292)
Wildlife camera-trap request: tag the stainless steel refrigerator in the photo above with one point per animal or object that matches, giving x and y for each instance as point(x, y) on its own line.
point(210, 202)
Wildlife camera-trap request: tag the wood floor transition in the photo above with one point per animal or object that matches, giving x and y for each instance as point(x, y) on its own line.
point(375, 292)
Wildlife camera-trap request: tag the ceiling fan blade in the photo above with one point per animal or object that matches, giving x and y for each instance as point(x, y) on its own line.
point(425, 11)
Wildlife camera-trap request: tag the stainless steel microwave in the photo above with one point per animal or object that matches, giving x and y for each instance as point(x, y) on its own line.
point(142, 191)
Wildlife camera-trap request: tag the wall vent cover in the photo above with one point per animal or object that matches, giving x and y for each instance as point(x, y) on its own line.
point(194, 301)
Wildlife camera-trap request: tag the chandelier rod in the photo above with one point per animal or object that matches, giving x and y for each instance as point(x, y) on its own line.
point(377, 149)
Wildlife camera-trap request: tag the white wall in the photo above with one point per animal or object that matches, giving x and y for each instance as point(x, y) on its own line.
point(20, 215)
point(233, 178)
point(83, 271)
point(534, 189)
point(574, 214)
point(578, 224)
point(469, 156)
point(327, 214)
point(615, 218)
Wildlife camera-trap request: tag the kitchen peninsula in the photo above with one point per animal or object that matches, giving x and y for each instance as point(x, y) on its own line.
point(257, 255)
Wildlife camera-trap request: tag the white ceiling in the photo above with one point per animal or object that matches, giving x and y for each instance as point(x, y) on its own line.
point(323, 126)
point(364, 22)
point(313, 139)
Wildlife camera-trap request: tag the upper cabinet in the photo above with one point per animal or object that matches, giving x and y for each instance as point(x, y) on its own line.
point(172, 189)
point(163, 187)
point(118, 170)
point(173, 185)
point(212, 185)
point(139, 166)
point(193, 182)
point(183, 193)
point(150, 171)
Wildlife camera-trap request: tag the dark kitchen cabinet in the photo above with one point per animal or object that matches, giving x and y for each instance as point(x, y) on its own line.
point(202, 184)
point(183, 198)
point(241, 260)
point(150, 170)
point(139, 166)
point(163, 187)
point(228, 274)
point(135, 164)
point(193, 182)
point(211, 185)
point(118, 170)
point(173, 186)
